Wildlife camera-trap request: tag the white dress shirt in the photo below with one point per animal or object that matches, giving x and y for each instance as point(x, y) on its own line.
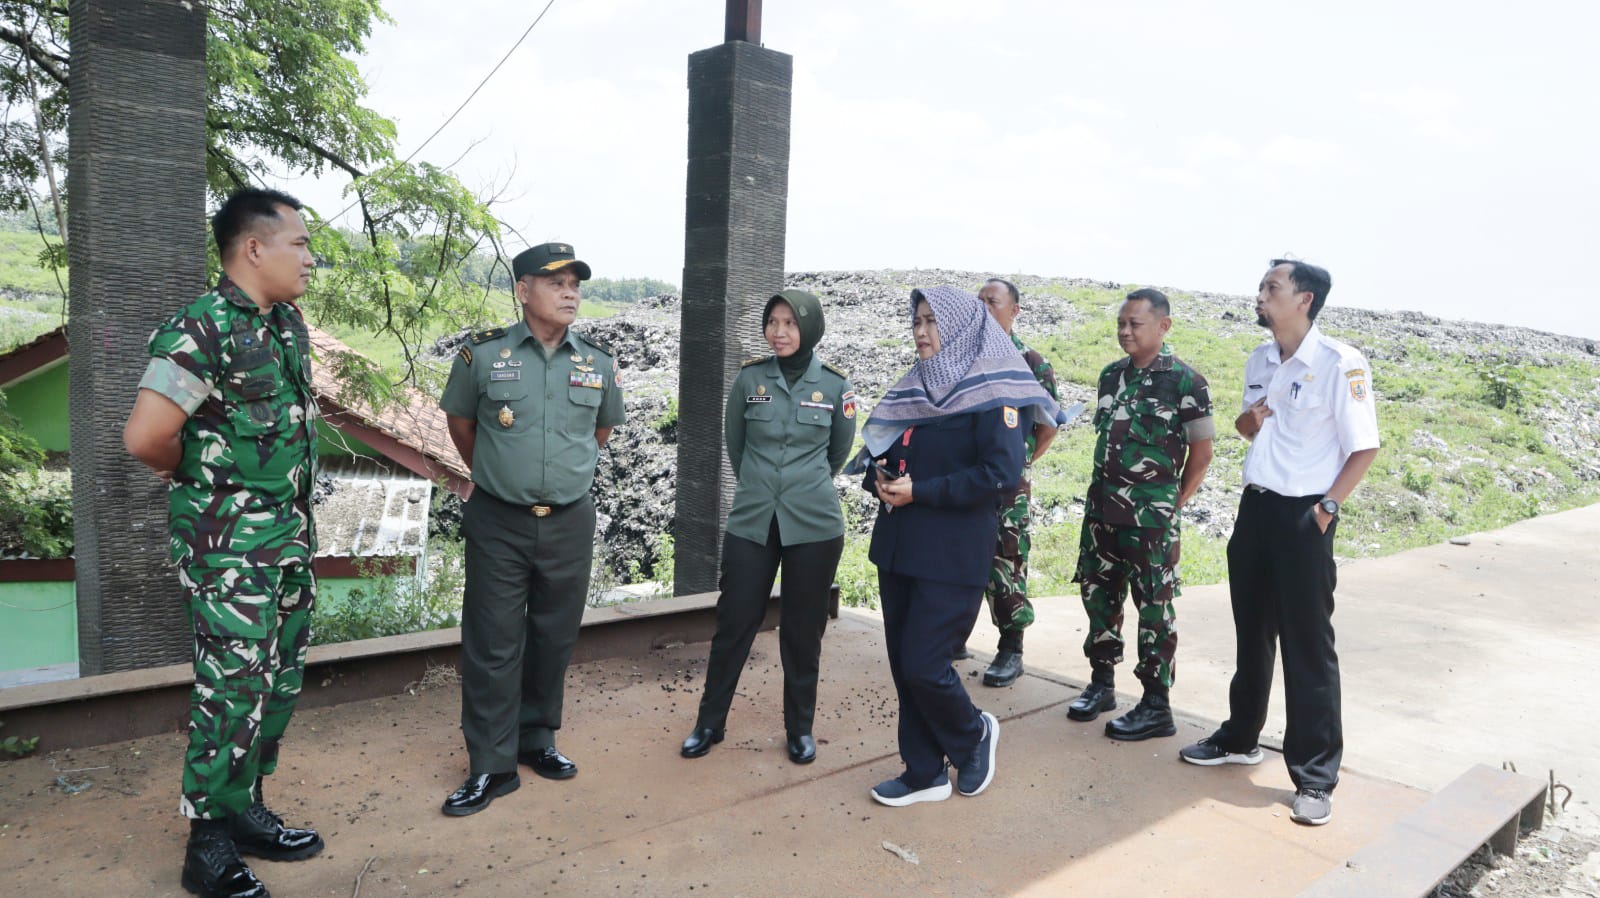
point(1322, 412)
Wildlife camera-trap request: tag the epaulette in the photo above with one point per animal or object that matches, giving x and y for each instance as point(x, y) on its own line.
point(755, 361)
point(598, 345)
point(830, 367)
point(484, 336)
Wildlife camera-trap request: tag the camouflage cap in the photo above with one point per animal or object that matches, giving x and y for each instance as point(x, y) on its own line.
point(547, 258)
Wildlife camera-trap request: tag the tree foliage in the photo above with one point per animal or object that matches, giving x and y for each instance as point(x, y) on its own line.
point(285, 97)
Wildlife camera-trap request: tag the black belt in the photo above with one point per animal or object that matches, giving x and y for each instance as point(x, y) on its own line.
point(537, 509)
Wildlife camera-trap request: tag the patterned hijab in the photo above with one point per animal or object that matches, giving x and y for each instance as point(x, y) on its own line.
point(976, 368)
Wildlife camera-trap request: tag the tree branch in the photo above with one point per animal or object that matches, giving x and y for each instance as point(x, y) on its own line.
point(49, 63)
point(288, 137)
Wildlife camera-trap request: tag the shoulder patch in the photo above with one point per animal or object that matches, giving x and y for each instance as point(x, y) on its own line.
point(485, 336)
point(466, 354)
point(829, 367)
point(755, 361)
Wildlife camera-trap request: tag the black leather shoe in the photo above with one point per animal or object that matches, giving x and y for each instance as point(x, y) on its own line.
point(212, 867)
point(802, 748)
point(962, 653)
point(700, 742)
point(549, 763)
point(1004, 671)
point(479, 791)
point(1150, 718)
point(260, 832)
point(1096, 697)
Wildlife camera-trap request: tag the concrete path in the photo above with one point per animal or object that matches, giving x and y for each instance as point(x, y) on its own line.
point(1452, 655)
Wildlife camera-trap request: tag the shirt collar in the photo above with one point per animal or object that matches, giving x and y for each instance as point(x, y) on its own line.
point(1310, 347)
point(519, 332)
point(1162, 361)
point(235, 294)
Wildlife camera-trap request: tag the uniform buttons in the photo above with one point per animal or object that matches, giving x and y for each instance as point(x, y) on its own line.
point(549, 395)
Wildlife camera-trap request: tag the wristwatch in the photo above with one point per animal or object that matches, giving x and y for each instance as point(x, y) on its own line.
point(1329, 505)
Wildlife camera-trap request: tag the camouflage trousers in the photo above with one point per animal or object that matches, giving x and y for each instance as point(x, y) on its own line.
point(1007, 589)
point(251, 629)
point(1113, 559)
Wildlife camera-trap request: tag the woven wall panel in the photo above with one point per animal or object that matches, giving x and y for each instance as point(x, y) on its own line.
point(136, 190)
point(735, 215)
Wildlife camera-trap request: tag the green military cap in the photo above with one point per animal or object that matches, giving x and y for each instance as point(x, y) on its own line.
point(547, 258)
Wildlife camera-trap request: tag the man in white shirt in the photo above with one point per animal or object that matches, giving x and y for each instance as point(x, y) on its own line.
point(1309, 414)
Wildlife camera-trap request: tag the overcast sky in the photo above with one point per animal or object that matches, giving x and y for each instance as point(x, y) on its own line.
point(1438, 156)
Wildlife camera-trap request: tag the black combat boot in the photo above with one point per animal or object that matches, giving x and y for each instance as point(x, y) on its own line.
point(261, 833)
point(1099, 695)
point(1007, 664)
point(212, 867)
point(1150, 718)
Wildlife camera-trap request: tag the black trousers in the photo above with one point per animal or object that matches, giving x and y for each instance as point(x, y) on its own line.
point(923, 622)
point(748, 569)
point(1281, 576)
point(527, 585)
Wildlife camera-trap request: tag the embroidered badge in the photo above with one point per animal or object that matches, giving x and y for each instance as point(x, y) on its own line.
point(1358, 389)
point(1011, 417)
point(850, 404)
point(505, 375)
point(1356, 372)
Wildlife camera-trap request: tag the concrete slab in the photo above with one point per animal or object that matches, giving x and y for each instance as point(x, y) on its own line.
point(1070, 812)
point(1450, 656)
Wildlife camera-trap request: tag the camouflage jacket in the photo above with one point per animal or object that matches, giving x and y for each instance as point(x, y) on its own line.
point(1145, 420)
point(240, 496)
point(1046, 376)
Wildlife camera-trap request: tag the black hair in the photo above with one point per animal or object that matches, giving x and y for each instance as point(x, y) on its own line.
point(1016, 297)
point(1311, 279)
point(241, 212)
point(1158, 301)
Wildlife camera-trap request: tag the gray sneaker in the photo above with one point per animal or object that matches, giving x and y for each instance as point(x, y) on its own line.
point(1208, 753)
point(1312, 807)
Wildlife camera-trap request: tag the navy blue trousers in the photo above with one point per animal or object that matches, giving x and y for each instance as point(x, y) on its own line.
point(923, 621)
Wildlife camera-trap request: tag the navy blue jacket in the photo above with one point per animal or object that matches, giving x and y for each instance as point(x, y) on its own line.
point(960, 468)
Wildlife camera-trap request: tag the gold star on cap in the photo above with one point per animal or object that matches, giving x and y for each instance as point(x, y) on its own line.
point(505, 352)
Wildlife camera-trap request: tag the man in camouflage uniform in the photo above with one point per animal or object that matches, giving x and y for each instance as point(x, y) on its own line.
point(1154, 431)
point(1007, 591)
point(225, 415)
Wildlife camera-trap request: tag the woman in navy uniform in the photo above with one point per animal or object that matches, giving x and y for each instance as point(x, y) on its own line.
point(789, 425)
point(947, 446)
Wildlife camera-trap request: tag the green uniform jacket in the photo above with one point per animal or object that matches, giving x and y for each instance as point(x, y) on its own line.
point(536, 412)
point(1144, 424)
point(240, 495)
point(785, 444)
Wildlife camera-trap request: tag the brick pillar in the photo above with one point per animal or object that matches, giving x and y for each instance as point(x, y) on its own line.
point(137, 202)
point(735, 215)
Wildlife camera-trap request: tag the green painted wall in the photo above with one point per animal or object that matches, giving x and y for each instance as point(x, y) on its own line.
point(40, 405)
point(38, 624)
point(331, 442)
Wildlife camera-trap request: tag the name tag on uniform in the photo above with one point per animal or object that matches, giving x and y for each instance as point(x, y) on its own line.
point(505, 375)
point(758, 399)
point(587, 379)
point(825, 406)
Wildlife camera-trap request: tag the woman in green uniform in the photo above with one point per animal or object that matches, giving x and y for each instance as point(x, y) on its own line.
point(789, 425)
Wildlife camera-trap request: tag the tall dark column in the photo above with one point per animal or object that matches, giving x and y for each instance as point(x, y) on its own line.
point(735, 218)
point(136, 191)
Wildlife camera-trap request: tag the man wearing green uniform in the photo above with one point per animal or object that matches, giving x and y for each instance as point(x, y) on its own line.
point(225, 415)
point(1154, 431)
point(529, 406)
point(1007, 591)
